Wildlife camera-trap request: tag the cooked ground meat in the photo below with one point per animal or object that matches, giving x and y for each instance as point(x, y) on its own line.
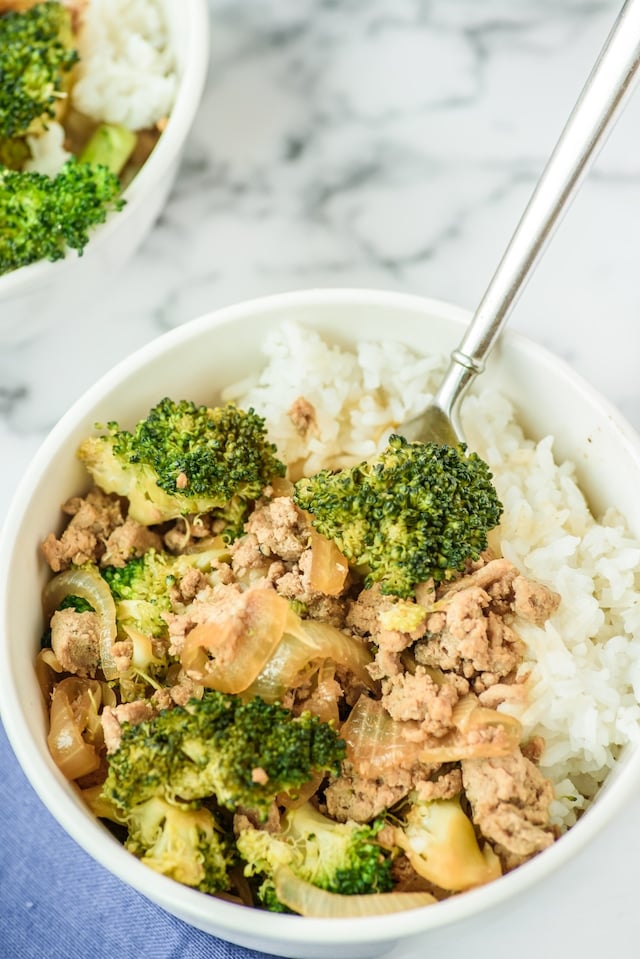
point(445, 784)
point(213, 604)
point(510, 801)
point(128, 541)
point(302, 414)
point(114, 716)
point(280, 528)
point(391, 625)
point(191, 531)
point(364, 611)
point(75, 640)
point(350, 796)
point(186, 590)
point(94, 517)
point(246, 555)
point(418, 697)
point(293, 582)
point(533, 601)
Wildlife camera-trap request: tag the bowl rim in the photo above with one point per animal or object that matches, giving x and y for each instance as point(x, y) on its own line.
point(191, 81)
point(189, 904)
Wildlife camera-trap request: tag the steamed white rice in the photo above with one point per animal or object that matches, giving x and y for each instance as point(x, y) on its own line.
point(584, 664)
point(126, 72)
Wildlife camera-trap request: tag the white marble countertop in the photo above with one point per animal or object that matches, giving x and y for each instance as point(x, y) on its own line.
point(392, 144)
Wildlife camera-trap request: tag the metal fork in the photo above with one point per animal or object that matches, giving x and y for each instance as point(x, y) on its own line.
point(600, 103)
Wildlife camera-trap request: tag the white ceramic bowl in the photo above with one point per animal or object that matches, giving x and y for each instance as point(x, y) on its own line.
point(193, 361)
point(42, 294)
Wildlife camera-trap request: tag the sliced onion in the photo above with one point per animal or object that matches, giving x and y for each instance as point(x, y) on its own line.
point(86, 582)
point(302, 793)
point(263, 616)
point(324, 702)
point(329, 567)
point(375, 741)
point(468, 714)
point(75, 731)
point(305, 642)
point(100, 806)
point(307, 900)
point(281, 486)
point(47, 670)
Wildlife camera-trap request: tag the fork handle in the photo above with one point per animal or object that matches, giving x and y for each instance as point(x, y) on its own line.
point(606, 91)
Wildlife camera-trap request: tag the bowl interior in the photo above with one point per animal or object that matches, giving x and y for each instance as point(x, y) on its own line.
point(195, 362)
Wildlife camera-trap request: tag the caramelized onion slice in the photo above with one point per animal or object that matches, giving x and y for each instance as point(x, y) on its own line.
point(47, 670)
point(228, 654)
point(329, 567)
point(307, 900)
point(75, 730)
point(376, 741)
point(305, 642)
point(86, 581)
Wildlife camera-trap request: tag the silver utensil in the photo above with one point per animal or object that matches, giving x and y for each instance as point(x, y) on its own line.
point(600, 103)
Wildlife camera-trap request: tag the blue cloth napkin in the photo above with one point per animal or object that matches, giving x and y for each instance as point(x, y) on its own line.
point(57, 903)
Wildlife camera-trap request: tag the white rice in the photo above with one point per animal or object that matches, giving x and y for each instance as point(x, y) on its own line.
point(584, 664)
point(48, 153)
point(126, 72)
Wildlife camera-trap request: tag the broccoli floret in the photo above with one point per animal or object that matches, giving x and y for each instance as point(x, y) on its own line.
point(140, 590)
point(110, 145)
point(345, 858)
point(42, 217)
point(36, 58)
point(79, 603)
point(14, 153)
point(416, 511)
point(181, 842)
point(440, 842)
point(243, 754)
point(184, 459)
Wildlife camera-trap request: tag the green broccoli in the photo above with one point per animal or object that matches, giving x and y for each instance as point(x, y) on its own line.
point(141, 592)
point(141, 589)
point(36, 57)
point(344, 858)
point(110, 145)
point(42, 217)
point(184, 459)
point(416, 511)
point(243, 754)
point(14, 153)
point(181, 842)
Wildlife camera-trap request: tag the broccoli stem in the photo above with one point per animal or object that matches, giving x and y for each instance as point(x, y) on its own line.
point(110, 145)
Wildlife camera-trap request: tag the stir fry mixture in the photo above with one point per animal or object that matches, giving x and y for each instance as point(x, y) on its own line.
point(66, 148)
point(285, 690)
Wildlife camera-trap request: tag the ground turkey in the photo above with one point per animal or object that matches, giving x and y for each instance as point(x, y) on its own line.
point(510, 800)
point(468, 634)
point(97, 533)
point(75, 641)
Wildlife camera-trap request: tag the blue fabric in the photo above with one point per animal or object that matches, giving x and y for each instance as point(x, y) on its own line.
point(57, 903)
